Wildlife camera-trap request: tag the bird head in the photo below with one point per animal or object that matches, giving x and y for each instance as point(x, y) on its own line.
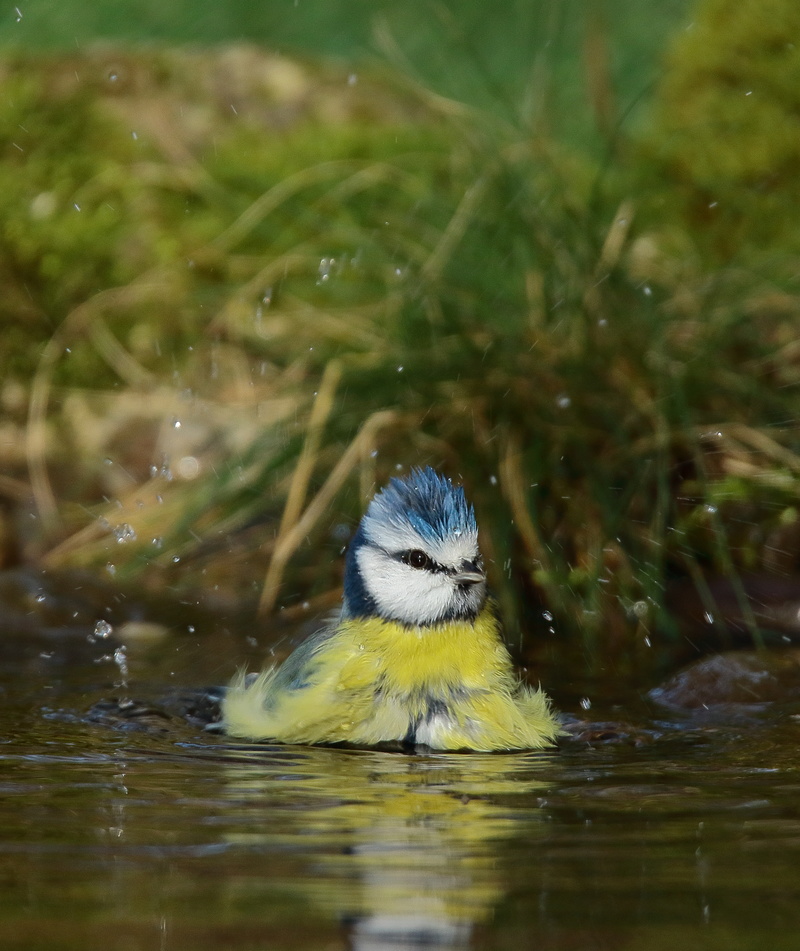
point(415, 556)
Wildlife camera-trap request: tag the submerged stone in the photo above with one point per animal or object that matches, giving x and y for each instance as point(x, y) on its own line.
point(734, 677)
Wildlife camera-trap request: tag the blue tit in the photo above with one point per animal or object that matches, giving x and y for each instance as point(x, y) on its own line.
point(416, 656)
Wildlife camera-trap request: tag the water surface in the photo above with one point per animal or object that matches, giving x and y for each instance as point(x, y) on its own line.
point(153, 834)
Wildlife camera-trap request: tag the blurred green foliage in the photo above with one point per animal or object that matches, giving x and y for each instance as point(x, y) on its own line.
point(287, 285)
point(529, 64)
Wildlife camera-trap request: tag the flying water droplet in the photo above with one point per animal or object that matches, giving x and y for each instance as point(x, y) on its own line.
point(102, 629)
point(124, 533)
point(121, 660)
point(188, 467)
point(324, 269)
point(162, 470)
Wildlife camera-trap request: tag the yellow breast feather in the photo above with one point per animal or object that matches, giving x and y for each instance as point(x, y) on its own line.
point(448, 686)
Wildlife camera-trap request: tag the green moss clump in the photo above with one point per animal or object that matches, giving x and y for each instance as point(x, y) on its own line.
point(726, 133)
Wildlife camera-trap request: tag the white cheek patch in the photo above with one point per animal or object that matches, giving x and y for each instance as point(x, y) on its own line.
point(404, 593)
point(415, 596)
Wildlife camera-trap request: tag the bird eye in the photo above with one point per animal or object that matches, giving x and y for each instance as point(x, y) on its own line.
point(416, 558)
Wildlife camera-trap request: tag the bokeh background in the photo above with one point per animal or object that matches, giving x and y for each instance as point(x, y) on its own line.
point(257, 258)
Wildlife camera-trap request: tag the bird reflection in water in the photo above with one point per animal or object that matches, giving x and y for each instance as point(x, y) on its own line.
point(405, 850)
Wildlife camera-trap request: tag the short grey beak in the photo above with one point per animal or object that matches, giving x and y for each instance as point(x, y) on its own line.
point(469, 573)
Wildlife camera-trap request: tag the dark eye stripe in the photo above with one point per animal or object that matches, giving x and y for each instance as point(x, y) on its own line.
point(416, 558)
point(422, 561)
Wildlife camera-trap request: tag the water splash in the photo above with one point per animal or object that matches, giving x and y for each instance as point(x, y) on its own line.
point(124, 533)
point(326, 265)
point(103, 629)
point(120, 658)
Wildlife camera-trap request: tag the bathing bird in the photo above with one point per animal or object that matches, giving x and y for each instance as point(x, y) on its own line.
point(416, 658)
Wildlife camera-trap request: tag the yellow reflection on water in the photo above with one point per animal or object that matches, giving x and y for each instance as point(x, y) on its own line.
point(406, 847)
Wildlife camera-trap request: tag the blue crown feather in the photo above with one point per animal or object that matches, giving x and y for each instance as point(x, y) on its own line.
point(429, 502)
